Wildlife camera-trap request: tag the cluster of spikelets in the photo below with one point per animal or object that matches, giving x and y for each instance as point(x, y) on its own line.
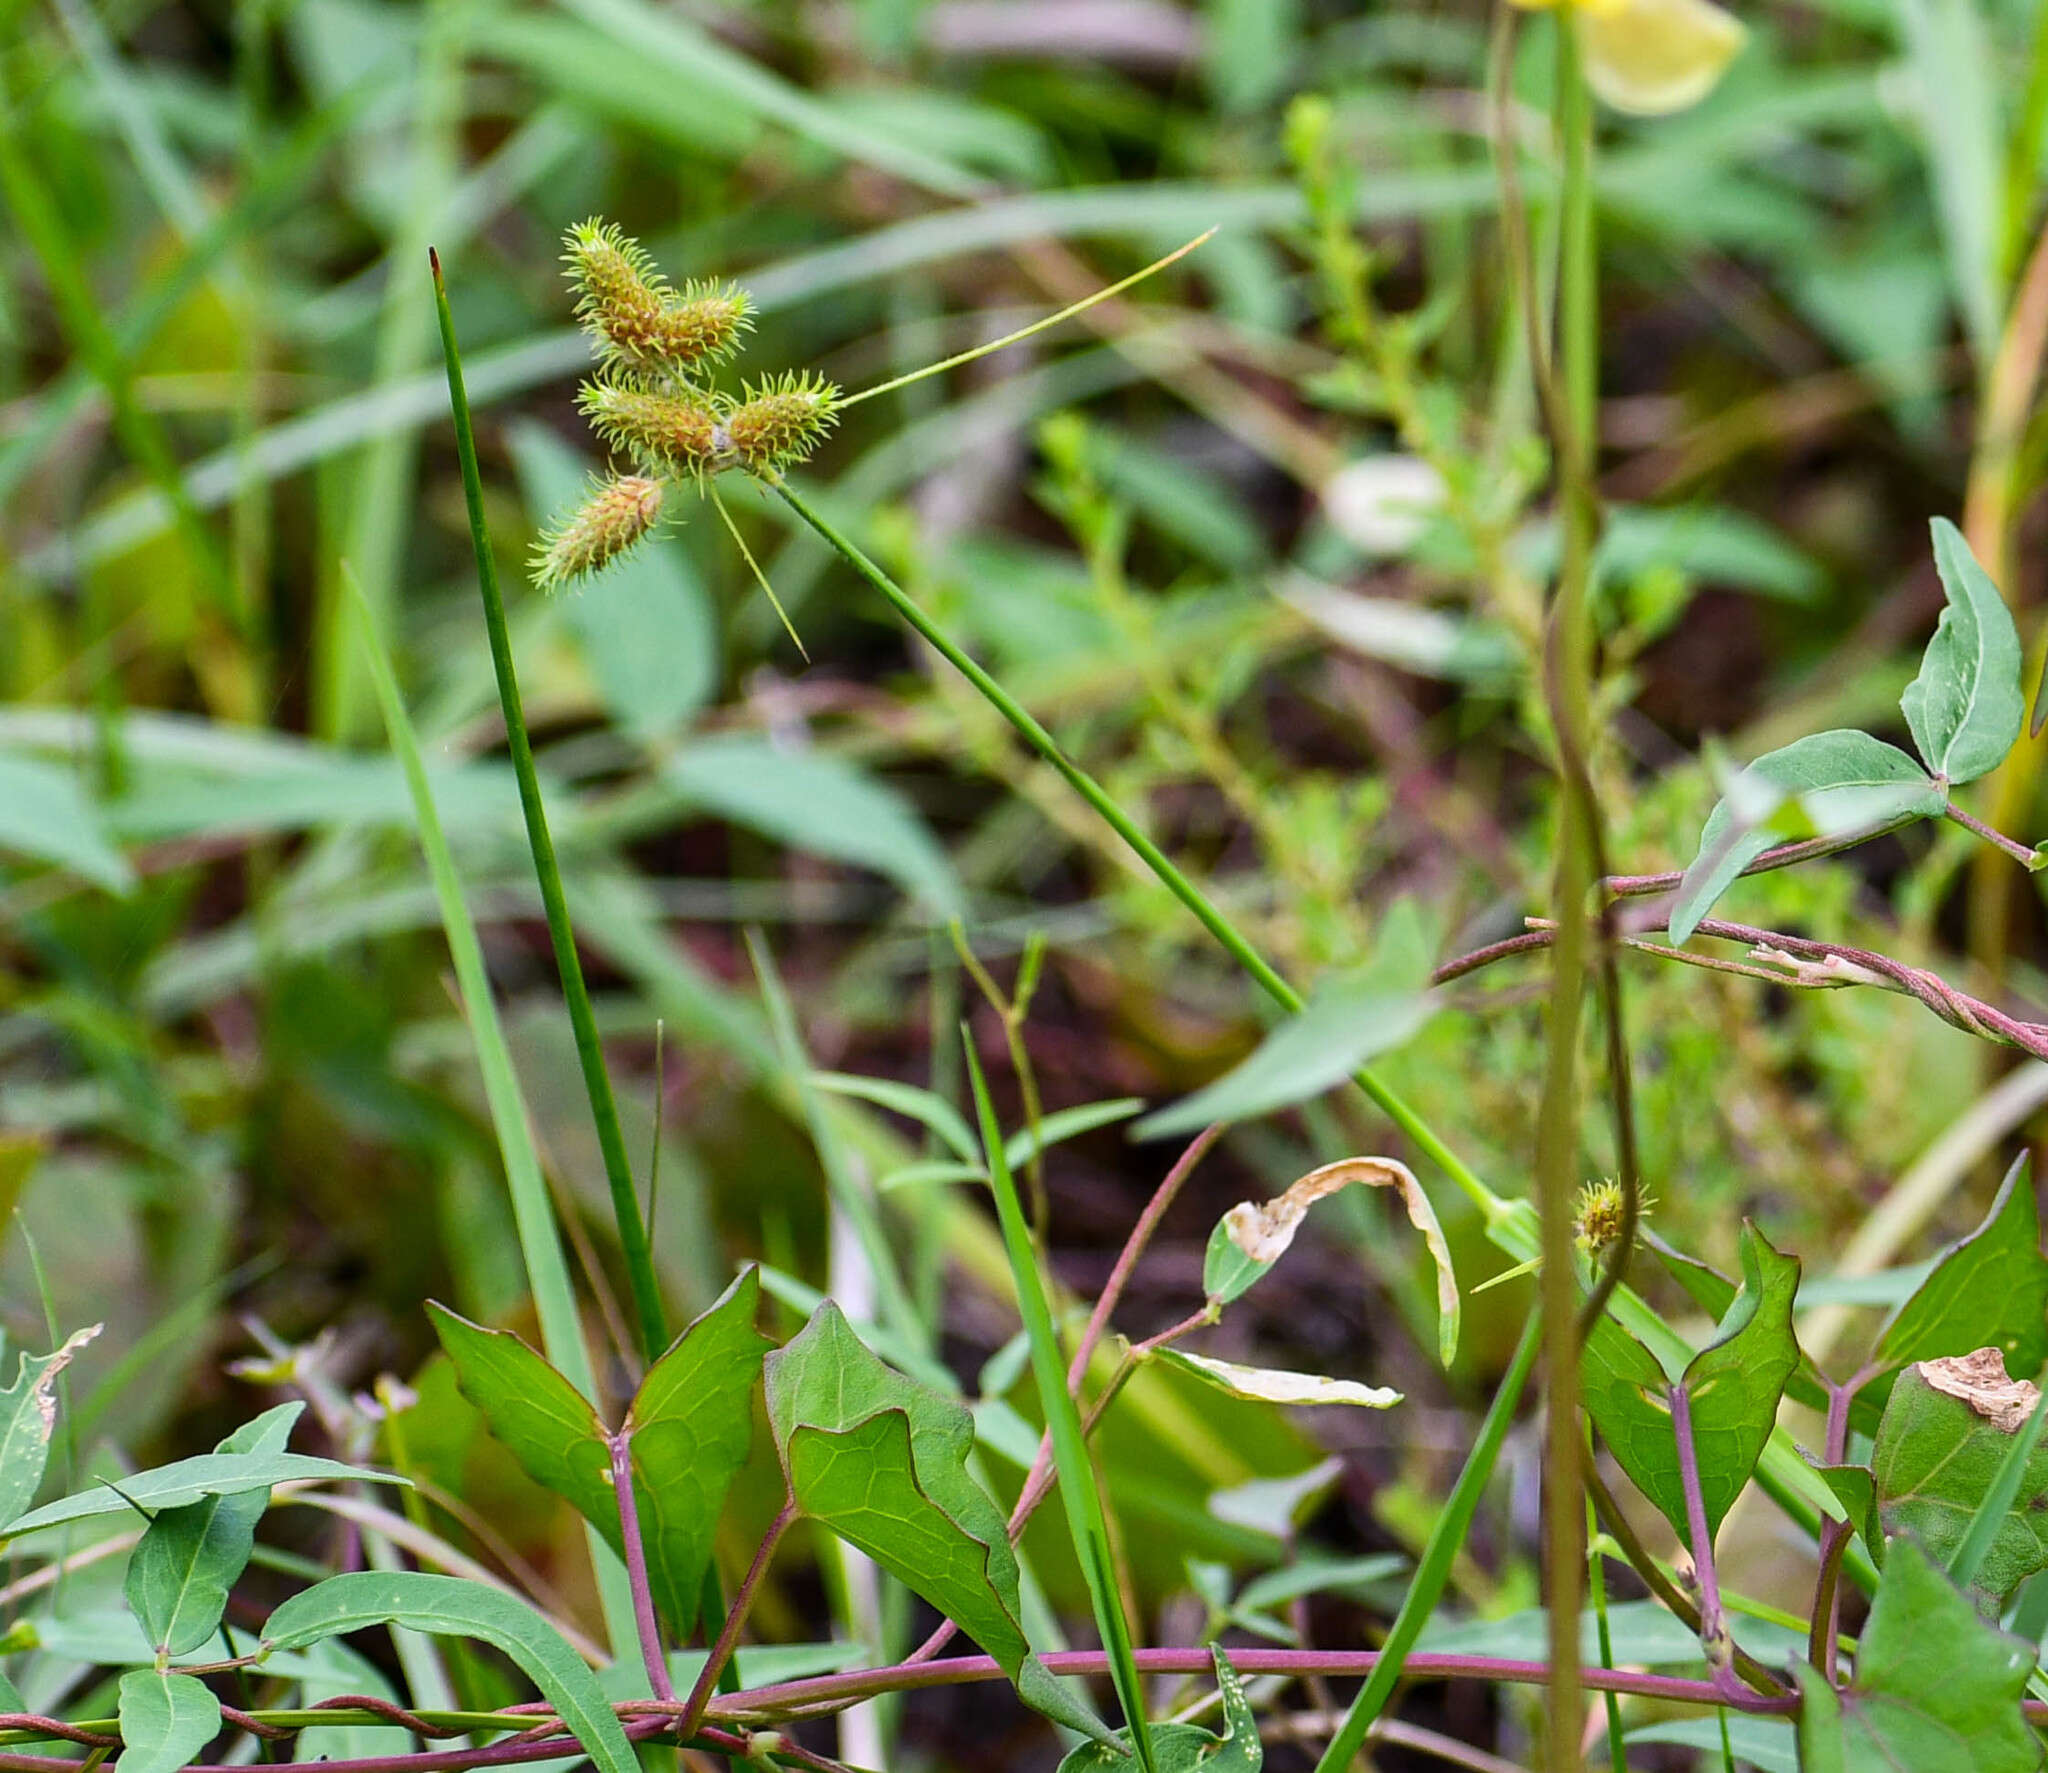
point(651, 405)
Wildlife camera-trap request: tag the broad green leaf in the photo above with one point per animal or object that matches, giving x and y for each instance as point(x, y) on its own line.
point(1335, 1032)
point(1188, 1748)
point(1767, 1744)
point(1989, 1290)
point(448, 1606)
point(166, 1719)
point(44, 815)
point(1945, 1433)
point(1265, 1385)
point(187, 1480)
point(646, 623)
point(688, 1427)
point(1734, 1384)
point(1253, 1235)
point(882, 1461)
point(812, 800)
point(189, 1557)
point(1842, 781)
point(28, 1417)
point(688, 1430)
point(1936, 1689)
point(1966, 705)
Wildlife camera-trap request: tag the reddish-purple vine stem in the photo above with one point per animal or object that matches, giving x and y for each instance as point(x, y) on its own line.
point(644, 1621)
point(1713, 1627)
point(736, 1616)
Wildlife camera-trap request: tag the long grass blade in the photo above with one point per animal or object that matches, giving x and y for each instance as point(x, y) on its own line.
point(1085, 1517)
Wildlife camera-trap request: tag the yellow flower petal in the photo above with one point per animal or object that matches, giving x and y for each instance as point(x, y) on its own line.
point(1650, 57)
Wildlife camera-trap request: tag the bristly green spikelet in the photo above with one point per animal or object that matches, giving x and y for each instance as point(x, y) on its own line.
point(638, 322)
point(670, 433)
point(618, 513)
point(779, 422)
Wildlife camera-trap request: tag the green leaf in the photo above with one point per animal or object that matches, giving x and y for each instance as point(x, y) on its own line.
point(43, 815)
point(1966, 705)
point(1336, 1032)
point(1767, 1744)
point(1842, 780)
point(689, 1426)
point(187, 1480)
point(1936, 1689)
point(1945, 1434)
point(1734, 1384)
point(448, 1606)
point(1856, 1490)
point(1066, 1123)
point(882, 1461)
point(1188, 1748)
point(1990, 1289)
point(688, 1431)
point(189, 1557)
point(814, 801)
point(28, 1417)
point(923, 1106)
point(166, 1719)
point(1266, 1385)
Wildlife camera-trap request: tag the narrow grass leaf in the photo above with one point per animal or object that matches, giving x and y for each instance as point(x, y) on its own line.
point(188, 1480)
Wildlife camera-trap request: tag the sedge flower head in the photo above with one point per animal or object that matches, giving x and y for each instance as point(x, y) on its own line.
point(781, 421)
point(671, 433)
point(618, 513)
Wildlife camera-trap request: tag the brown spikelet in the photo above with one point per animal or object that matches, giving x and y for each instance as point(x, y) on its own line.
point(668, 431)
point(781, 421)
point(617, 514)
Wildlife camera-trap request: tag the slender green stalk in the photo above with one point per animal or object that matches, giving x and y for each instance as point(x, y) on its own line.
point(533, 1218)
point(1211, 919)
point(1086, 1518)
point(597, 1082)
point(1445, 1540)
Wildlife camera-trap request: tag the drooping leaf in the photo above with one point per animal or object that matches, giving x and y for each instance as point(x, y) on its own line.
point(448, 1606)
point(28, 1417)
point(1188, 1748)
point(1252, 1236)
point(812, 800)
point(882, 1461)
point(688, 1427)
point(187, 1480)
point(1945, 1433)
point(189, 1557)
point(1936, 1689)
point(166, 1719)
point(1266, 1385)
point(1966, 705)
point(1988, 1290)
point(1734, 1384)
point(1841, 781)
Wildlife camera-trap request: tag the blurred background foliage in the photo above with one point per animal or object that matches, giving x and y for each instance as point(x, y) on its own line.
point(1264, 542)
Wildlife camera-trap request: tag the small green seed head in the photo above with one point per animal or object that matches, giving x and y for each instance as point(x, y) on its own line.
point(617, 514)
point(620, 297)
point(781, 421)
point(673, 433)
point(1598, 1214)
point(700, 325)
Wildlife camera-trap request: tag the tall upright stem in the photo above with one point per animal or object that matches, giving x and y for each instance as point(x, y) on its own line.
point(597, 1083)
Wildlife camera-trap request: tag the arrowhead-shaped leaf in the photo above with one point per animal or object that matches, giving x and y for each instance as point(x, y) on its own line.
point(449, 1606)
point(189, 1557)
point(1966, 705)
point(1735, 1383)
point(1989, 1290)
point(166, 1719)
point(28, 1417)
point(689, 1423)
point(1188, 1748)
point(1936, 1689)
point(882, 1461)
point(1842, 781)
point(1936, 1456)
